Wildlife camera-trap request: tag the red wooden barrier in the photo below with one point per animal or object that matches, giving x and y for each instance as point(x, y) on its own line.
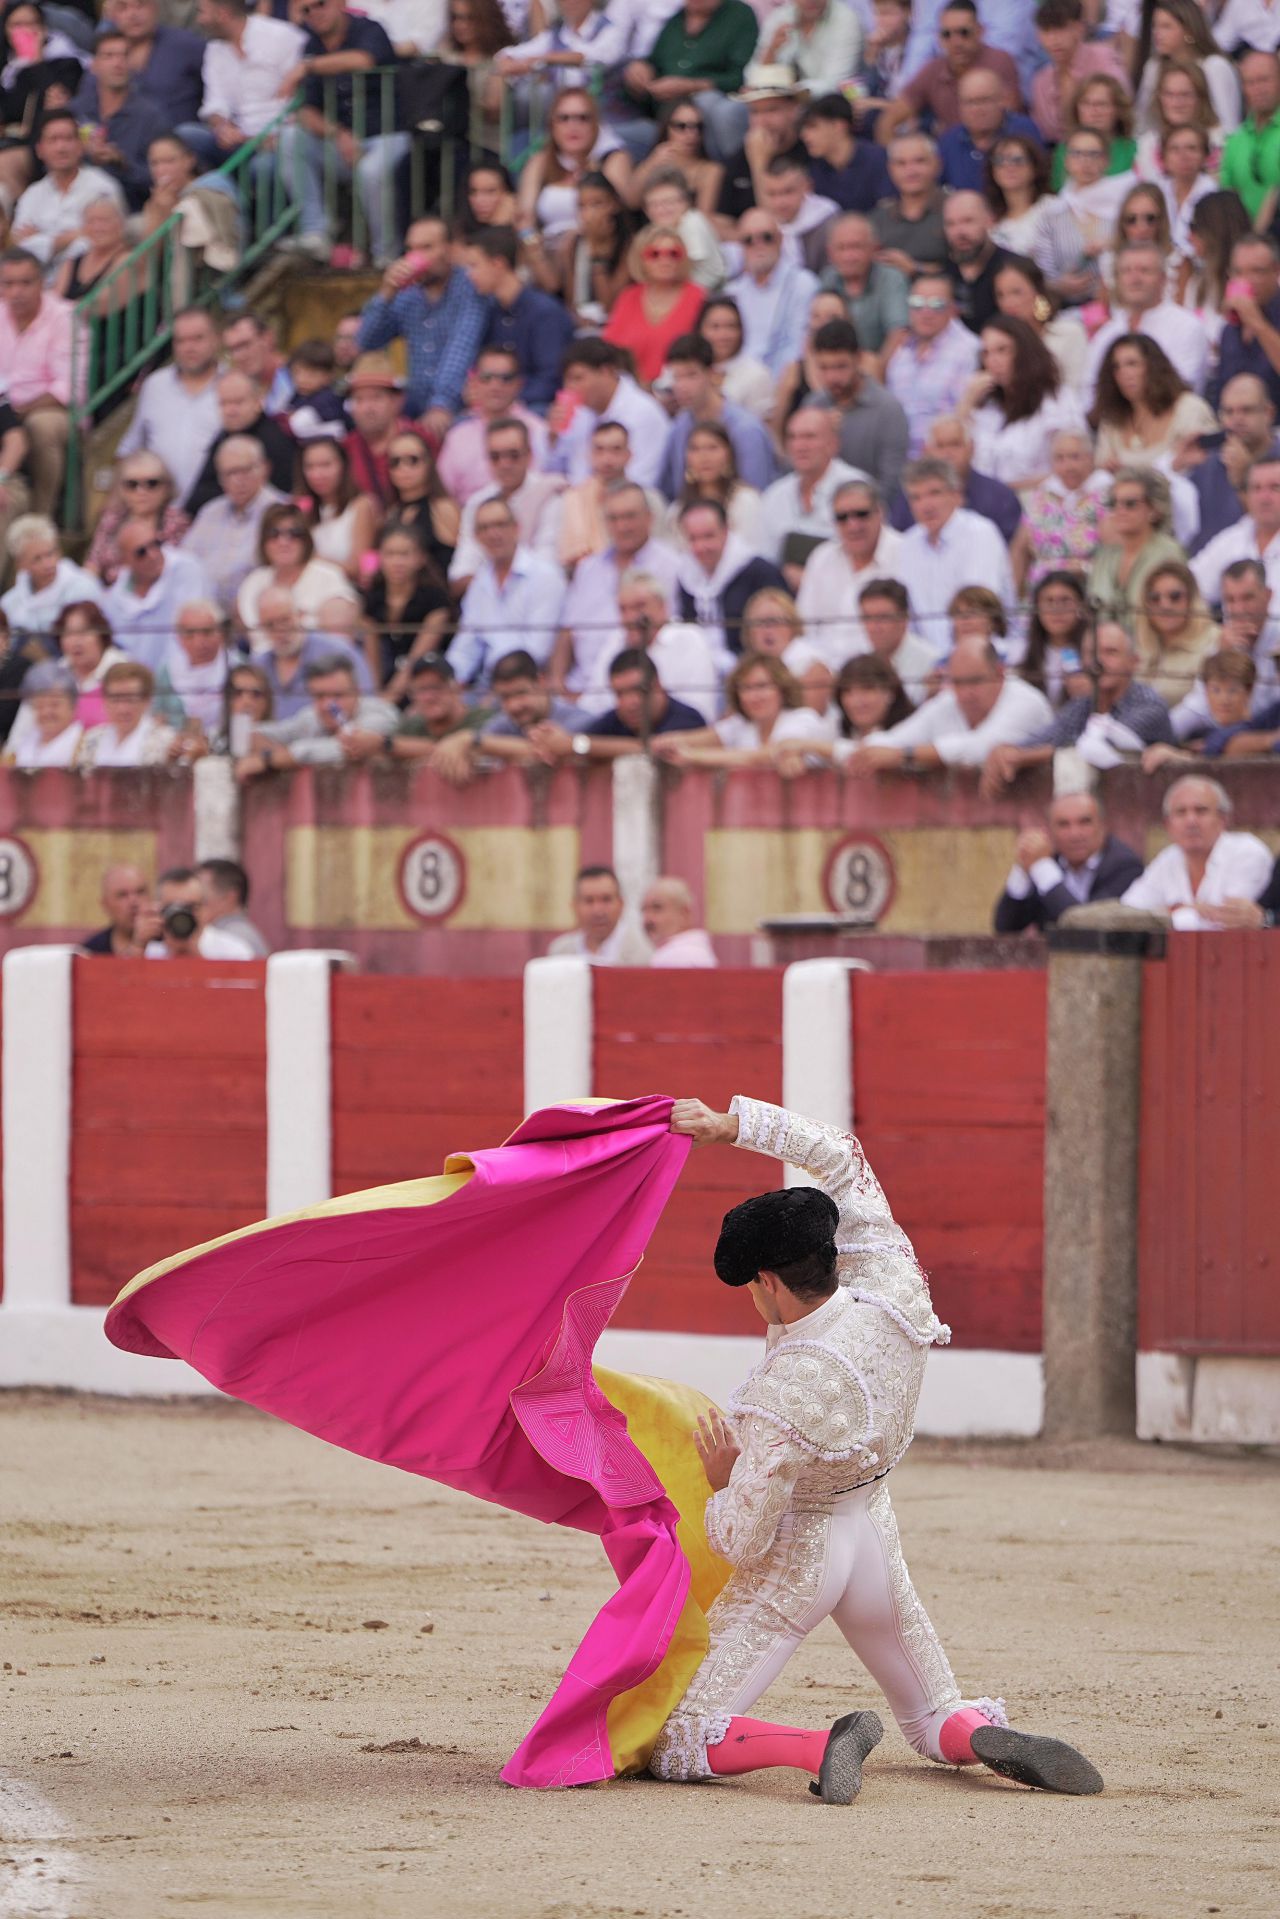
point(948, 1072)
point(709, 1036)
point(1209, 1222)
point(421, 1069)
point(169, 1126)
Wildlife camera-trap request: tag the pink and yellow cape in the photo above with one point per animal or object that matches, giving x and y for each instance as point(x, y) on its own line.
point(447, 1326)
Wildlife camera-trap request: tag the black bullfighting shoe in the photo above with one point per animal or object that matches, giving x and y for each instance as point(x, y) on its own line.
point(1034, 1760)
point(839, 1779)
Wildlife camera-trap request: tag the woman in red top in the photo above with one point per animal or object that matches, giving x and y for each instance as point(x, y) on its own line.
point(663, 304)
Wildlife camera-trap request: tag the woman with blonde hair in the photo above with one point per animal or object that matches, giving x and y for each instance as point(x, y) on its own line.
point(771, 623)
point(547, 195)
point(1175, 631)
point(143, 491)
point(1136, 539)
point(663, 303)
point(766, 711)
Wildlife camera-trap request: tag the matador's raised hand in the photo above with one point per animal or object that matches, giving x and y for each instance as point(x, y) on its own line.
point(703, 1126)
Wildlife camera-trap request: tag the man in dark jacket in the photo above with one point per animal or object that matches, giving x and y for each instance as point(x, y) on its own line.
point(719, 573)
point(1075, 862)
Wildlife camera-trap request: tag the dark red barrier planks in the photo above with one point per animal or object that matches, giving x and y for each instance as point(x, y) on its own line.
point(708, 1036)
point(948, 1073)
point(421, 1068)
point(169, 1127)
point(1209, 1209)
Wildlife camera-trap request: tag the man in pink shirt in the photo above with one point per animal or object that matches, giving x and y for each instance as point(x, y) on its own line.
point(1060, 29)
point(35, 369)
point(935, 91)
point(492, 393)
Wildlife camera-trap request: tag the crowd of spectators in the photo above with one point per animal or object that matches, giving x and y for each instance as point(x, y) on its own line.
point(838, 387)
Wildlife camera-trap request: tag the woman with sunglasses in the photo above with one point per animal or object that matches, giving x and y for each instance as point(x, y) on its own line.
point(1174, 632)
point(1022, 293)
point(143, 491)
point(1136, 539)
point(287, 558)
point(1101, 106)
point(744, 380)
point(1144, 410)
point(1016, 404)
point(1182, 99)
point(1180, 31)
point(1143, 215)
point(343, 521)
point(248, 704)
point(419, 503)
point(682, 146)
point(1032, 222)
point(711, 473)
point(664, 302)
point(547, 197)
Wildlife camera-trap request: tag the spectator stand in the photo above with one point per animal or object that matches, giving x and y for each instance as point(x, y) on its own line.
point(123, 326)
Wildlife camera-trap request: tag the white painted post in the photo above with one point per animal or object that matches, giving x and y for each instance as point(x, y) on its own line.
point(37, 1128)
point(299, 1078)
point(637, 852)
point(558, 1031)
point(817, 1044)
point(216, 805)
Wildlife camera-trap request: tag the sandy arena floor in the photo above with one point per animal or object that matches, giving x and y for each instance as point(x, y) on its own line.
point(247, 1675)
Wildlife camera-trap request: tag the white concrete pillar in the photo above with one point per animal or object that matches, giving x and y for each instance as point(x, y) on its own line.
point(299, 1078)
point(37, 1128)
point(559, 1030)
point(817, 1044)
point(637, 844)
point(216, 806)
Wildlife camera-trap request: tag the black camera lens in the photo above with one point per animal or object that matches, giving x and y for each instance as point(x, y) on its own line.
point(179, 920)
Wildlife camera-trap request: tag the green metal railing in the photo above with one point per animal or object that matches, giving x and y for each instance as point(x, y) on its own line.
point(125, 323)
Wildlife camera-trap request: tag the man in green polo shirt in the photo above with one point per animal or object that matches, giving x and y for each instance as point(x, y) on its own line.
point(701, 54)
point(1251, 158)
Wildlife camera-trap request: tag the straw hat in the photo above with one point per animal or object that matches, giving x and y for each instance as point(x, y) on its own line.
point(765, 82)
point(375, 369)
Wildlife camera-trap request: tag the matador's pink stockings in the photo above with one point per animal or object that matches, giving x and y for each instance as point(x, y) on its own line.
point(954, 1736)
point(751, 1744)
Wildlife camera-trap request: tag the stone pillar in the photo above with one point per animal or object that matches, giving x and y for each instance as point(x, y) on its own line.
point(1092, 1117)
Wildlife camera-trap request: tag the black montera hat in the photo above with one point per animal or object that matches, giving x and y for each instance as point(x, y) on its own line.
point(772, 1231)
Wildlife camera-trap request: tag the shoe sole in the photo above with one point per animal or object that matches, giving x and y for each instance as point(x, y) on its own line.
point(839, 1779)
point(1034, 1760)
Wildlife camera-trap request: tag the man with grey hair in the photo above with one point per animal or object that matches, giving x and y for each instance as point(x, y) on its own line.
point(223, 537)
point(191, 682)
point(948, 438)
point(1206, 864)
point(291, 652)
point(688, 663)
point(863, 550)
point(667, 914)
point(947, 548)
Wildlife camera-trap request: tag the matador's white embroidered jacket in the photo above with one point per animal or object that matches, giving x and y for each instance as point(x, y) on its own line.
point(832, 1404)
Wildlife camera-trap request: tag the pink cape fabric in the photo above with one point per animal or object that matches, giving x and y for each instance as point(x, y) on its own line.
point(454, 1340)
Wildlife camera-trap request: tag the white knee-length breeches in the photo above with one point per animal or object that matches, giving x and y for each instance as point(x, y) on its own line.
point(844, 1563)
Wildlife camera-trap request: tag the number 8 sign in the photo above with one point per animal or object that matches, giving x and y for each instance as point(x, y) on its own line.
point(858, 879)
point(433, 877)
point(18, 877)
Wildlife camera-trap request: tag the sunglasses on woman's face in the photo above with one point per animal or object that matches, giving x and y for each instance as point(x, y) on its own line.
point(286, 533)
point(1174, 598)
point(144, 481)
point(685, 126)
point(663, 253)
point(1146, 217)
point(407, 459)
